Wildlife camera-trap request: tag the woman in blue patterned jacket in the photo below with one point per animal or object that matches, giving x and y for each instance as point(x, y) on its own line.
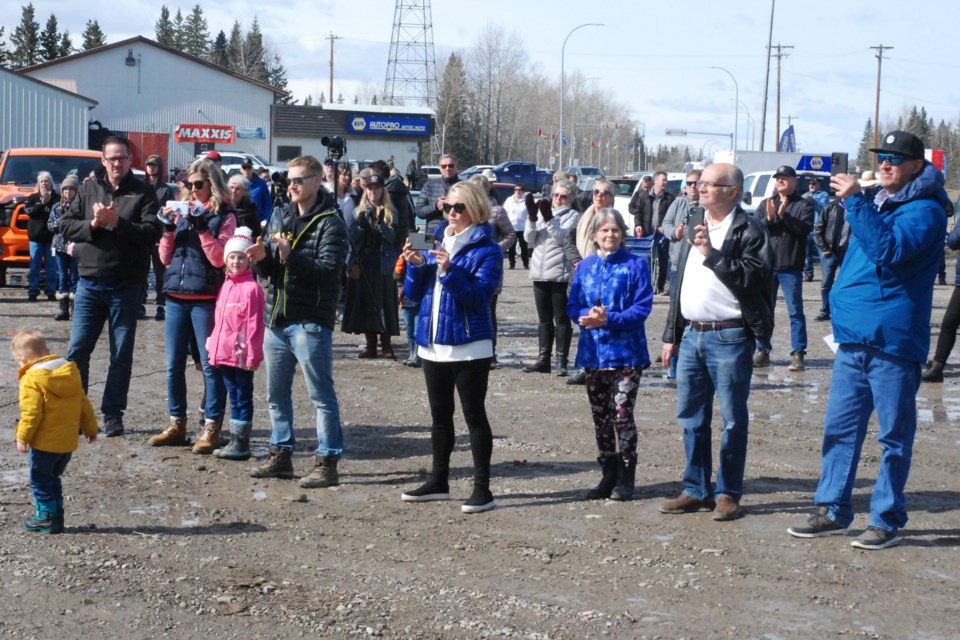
point(610, 299)
point(454, 284)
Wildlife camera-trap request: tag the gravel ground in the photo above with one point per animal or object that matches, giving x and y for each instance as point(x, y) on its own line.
point(161, 543)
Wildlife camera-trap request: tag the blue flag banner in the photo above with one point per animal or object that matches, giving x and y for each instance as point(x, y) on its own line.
point(788, 141)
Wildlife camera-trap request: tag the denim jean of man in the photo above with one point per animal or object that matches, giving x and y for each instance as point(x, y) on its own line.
point(186, 319)
point(311, 345)
point(41, 257)
point(117, 305)
point(828, 273)
point(792, 284)
point(865, 379)
point(714, 361)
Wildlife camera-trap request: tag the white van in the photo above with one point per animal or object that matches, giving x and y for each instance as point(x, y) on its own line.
point(760, 184)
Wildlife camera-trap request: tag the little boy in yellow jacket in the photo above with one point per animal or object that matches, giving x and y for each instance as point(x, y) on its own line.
point(53, 411)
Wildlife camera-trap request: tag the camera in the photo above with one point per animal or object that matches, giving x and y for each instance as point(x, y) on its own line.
point(336, 146)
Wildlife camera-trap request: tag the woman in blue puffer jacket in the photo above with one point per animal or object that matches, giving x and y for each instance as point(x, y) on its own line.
point(454, 284)
point(610, 299)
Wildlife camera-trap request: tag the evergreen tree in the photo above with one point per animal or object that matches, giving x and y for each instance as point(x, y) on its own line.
point(196, 37)
point(92, 36)
point(26, 40)
point(308, 102)
point(66, 45)
point(278, 78)
point(456, 131)
point(179, 31)
point(235, 49)
point(4, 54)
point(50, 40)
point(218, 52)
point(864, 158)
point(339, 98)
point(322, 99)
point(253, 54)
point(163, 29)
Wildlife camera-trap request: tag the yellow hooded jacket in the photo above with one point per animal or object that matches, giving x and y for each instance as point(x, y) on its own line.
point(53, 407)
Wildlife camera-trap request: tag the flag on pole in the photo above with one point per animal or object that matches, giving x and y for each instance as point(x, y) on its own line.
point(539, 133)
point(788, 141)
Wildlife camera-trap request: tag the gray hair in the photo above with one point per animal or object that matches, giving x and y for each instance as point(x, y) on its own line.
point(569, 185)
point(45, 174)
point(602, 216)
point(481, 181)
point(238, 179)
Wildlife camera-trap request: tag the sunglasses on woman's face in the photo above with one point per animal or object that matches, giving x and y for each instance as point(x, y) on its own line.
point(194, 185)
point(458, 208)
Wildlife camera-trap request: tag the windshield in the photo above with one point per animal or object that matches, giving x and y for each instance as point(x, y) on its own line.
point(260, 159)
point(23, 170)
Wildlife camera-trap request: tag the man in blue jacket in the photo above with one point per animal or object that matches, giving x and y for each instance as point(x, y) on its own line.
point(259, 191)
point(880, 307)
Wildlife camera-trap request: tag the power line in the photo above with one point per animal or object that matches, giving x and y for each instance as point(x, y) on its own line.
point(876, 112)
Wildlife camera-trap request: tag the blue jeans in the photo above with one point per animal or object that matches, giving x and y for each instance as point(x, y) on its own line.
point(311, 346)
point(68, 275)
point(45, 471)
point(792, 283)
point(92, 308)
point(714, 361)
point(828, 273)
point(865, 379)
point(239, 384)
point(185, 319)
point(41, 257)
point(813, 252)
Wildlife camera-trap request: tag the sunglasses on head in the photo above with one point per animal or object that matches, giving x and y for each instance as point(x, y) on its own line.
point(194, 185)
point(894, 159)
point(458, 208)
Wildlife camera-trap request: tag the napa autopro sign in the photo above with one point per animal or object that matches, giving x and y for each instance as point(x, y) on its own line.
point(396, 125)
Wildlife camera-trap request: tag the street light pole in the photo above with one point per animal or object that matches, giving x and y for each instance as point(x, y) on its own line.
point(563, 51)
point(750, 122)
point(736, 115)
point(574, 135)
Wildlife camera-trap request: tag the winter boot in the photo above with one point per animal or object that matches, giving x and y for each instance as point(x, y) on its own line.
point(610, 471)
point(64, 301)
point(624, 488)
point(324, 474)
point(45, 518)
point(562, 366)
point(545, 340)
point(934, 372)
point(174, 435)
point(209, 438)
point(239, 447)
point(278, 465)
point(564, 336)
point(369, 351)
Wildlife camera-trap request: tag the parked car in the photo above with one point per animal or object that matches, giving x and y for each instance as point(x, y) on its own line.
point(237, 158)
point(526, 173)
point(18, 181)
point(429, 171)
point(581, 171)
point(475, 169)
point(760, 184)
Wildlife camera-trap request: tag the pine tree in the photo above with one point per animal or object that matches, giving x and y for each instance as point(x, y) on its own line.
point(50, 40)
point(66, 45)
point(456, 131)
point(254, 54)
point(92, 36)
point(163, 30)
point(218, 52)
point(339, 98)
point(864, 158)
point(323, 99)
point(308, 102)
point(235, 60)
point(278, 79)
point(196, 37)
point(179, 32)
point(26, 40)
point(4, 54)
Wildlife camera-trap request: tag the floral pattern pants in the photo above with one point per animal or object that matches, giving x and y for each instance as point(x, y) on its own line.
point(612, 394)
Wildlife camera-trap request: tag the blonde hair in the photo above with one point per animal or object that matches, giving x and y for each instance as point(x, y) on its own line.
point(477, 203)
point(219, 195)
point(29, 342)
point(365, 204)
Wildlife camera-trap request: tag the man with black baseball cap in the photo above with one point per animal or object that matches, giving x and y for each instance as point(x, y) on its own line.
point(880, 309)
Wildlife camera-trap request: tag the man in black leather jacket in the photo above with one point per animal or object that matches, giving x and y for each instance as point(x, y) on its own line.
point(719, 305)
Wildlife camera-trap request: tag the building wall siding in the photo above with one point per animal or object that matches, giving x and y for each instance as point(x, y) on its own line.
point(34, 115)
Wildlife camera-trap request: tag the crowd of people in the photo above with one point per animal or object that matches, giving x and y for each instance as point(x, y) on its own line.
point(244, 282)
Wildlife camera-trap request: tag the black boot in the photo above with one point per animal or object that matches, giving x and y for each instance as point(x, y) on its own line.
point(934, 372)
point(64, 307)
point(545, 339)
point(564, 337)
point(278, 465)
point(610, 471)
point(624, 488)
point(562, 366)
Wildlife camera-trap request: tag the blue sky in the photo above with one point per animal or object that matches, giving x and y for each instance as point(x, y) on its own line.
point(653, 57)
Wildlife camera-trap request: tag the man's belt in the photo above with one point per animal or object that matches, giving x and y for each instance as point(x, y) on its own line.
point(716, 324)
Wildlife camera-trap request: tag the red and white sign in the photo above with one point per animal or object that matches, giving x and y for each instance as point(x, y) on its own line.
point(205, 133)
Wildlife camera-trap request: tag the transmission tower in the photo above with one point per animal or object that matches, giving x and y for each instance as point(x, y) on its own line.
point(411, 67)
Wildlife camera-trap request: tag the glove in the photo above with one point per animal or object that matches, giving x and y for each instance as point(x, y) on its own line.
point(531, 207)
point(168, 221)
point(546, 210)
point(200, 223)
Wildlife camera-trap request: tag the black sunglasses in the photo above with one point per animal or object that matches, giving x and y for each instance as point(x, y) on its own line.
point(460, 208)
point(194, 185)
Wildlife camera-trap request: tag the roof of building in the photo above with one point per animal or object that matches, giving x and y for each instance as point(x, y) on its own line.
point(47, 85)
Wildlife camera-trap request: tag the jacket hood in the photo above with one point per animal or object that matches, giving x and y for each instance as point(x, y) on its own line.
point(62, 376)
point(325, 202)
point(240, 277)
point(926, 184)
point(394, 184)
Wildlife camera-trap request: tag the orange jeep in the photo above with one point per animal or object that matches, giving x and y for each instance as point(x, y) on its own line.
point(18, 181)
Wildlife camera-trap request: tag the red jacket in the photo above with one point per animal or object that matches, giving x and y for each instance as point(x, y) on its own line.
point(237, 338)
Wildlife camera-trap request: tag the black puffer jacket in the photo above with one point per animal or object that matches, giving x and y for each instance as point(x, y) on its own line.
point(306, 287)
point(788, 235)
point(742, 264)
point(38, 214)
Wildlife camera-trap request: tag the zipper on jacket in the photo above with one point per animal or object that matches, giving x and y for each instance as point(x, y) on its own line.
point(293, 244)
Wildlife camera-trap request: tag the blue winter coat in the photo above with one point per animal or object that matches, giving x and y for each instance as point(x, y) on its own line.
point(622, 283)
point(467, 289)
point(883, 295)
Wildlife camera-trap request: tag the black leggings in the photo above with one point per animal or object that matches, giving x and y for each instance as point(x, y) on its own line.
point(469, 378)
point(948, 328)
point(551, 300)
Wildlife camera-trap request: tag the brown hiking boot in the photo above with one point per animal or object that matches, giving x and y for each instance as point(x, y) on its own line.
point(174, 435)
point(797, 364)
point(324, 474)
point(687, 504)
point(278, 465)
point(209, 438)
point(727, 509)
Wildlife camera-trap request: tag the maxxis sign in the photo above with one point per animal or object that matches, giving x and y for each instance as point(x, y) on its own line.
point(204, 133)
point(388, 125)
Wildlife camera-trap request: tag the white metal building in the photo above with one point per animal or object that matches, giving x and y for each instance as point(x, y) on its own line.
point(36, 114)
point(146, 91)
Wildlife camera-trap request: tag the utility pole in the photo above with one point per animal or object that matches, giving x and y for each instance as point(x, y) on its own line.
point(331, 38)
point(780, 55)
point(766, 78)
point(876, 111)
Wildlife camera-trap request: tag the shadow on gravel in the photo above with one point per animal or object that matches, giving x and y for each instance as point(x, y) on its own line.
point(209, 530)
point(935, 538)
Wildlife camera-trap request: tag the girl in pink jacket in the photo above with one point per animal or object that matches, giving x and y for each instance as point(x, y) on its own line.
point(236, 345)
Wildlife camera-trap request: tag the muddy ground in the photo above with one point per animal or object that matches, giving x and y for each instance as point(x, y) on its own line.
point(165, 544)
